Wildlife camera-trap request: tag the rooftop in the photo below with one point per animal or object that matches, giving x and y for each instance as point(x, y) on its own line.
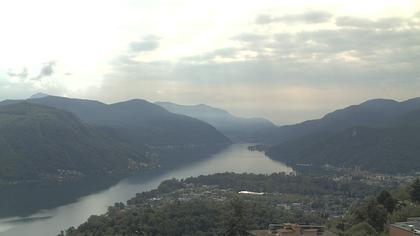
point(295, 229)
point(412, 224)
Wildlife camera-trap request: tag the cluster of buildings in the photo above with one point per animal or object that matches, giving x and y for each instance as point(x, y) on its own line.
point(371, 178)
point(409, 228)
point(288, 229)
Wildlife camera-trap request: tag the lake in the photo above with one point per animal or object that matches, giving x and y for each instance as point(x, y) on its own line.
point(235, 158)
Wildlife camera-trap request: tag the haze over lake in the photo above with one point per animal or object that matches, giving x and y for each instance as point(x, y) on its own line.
point(235, 158)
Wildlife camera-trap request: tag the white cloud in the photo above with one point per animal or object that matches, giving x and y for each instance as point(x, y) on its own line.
point(208, 51)
point(309, 17)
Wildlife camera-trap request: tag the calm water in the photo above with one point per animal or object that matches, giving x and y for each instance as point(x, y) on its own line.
point(235, 158)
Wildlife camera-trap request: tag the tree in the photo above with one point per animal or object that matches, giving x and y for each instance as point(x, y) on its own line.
point(386, 200)
point(361, 229)
point(405, 212)
point(372, 212)
point(415, 191)
point(235, 219)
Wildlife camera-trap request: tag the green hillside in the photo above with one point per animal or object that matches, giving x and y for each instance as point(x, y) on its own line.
point(38, 142)
point(138, 122)
point(394, 149)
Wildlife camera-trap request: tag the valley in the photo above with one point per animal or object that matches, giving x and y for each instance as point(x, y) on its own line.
point(208, 118)
point(235, 158)
point(86, 155)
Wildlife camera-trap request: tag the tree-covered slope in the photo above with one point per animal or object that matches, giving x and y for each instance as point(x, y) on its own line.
point(378, 135)
point(372, 113)
point(39, 142)
point(211, 205)
point(139, 122)
point(391, 149)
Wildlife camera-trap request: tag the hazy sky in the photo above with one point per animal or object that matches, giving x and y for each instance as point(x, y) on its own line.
point(284, 60)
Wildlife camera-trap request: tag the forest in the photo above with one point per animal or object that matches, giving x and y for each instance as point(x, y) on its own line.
point(213, 205)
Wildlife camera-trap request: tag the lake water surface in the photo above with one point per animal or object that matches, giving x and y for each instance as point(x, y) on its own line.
point(235, 158)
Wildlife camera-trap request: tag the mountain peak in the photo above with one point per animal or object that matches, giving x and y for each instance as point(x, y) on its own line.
point(379, 102)
point(236, 128)
point(39, 95)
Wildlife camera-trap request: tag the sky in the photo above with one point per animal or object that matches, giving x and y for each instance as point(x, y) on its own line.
point(287, 61)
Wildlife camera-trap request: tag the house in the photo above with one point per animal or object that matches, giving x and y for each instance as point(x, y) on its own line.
point(288, 229)
point(409, 228)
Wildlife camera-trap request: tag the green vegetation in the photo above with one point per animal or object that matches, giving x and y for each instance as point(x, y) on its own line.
point(235, 219)
point(371, 212)
point(138, 122)
point(39, 143)
point(377, 135)
point(211, 205)
point(415, 191)
point(387, 201)
point(361, 229)
point(371, 215)
point(387, 150)
point(58, 139)
point(51, 143)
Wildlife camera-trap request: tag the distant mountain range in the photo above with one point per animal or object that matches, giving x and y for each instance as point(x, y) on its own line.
point(50, 137)
point(379, 135)
point(236, 128)
point(137, 121)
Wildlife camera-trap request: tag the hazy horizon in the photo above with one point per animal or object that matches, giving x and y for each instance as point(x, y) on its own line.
point(234, 114)
point(285, 61)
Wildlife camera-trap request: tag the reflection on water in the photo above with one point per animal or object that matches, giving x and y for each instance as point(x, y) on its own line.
point(26, 219)
point(24, 200)
point(235, 158)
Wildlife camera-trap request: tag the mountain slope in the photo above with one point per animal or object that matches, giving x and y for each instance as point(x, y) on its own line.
point(236, 128)
point(139, 122)
point(39, 142)
point(392, 150)
point(383, 144)
point(372, 113)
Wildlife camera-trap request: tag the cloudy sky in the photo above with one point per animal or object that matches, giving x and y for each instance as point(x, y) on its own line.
point(285, 60)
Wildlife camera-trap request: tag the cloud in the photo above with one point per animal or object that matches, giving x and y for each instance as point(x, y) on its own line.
point(22, 75)
point(46, 70)
point(369, 44)
point(362, 54)
point(283, 90)
point(309, 17)
point(292, 76)
point(249, 37)
point(222, 53)
point(357, 22)
point(334, 57)
point(148, 43)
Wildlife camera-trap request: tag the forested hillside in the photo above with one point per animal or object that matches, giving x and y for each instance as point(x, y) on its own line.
point(43, 143)
point(378, 135)
point(139, 122)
